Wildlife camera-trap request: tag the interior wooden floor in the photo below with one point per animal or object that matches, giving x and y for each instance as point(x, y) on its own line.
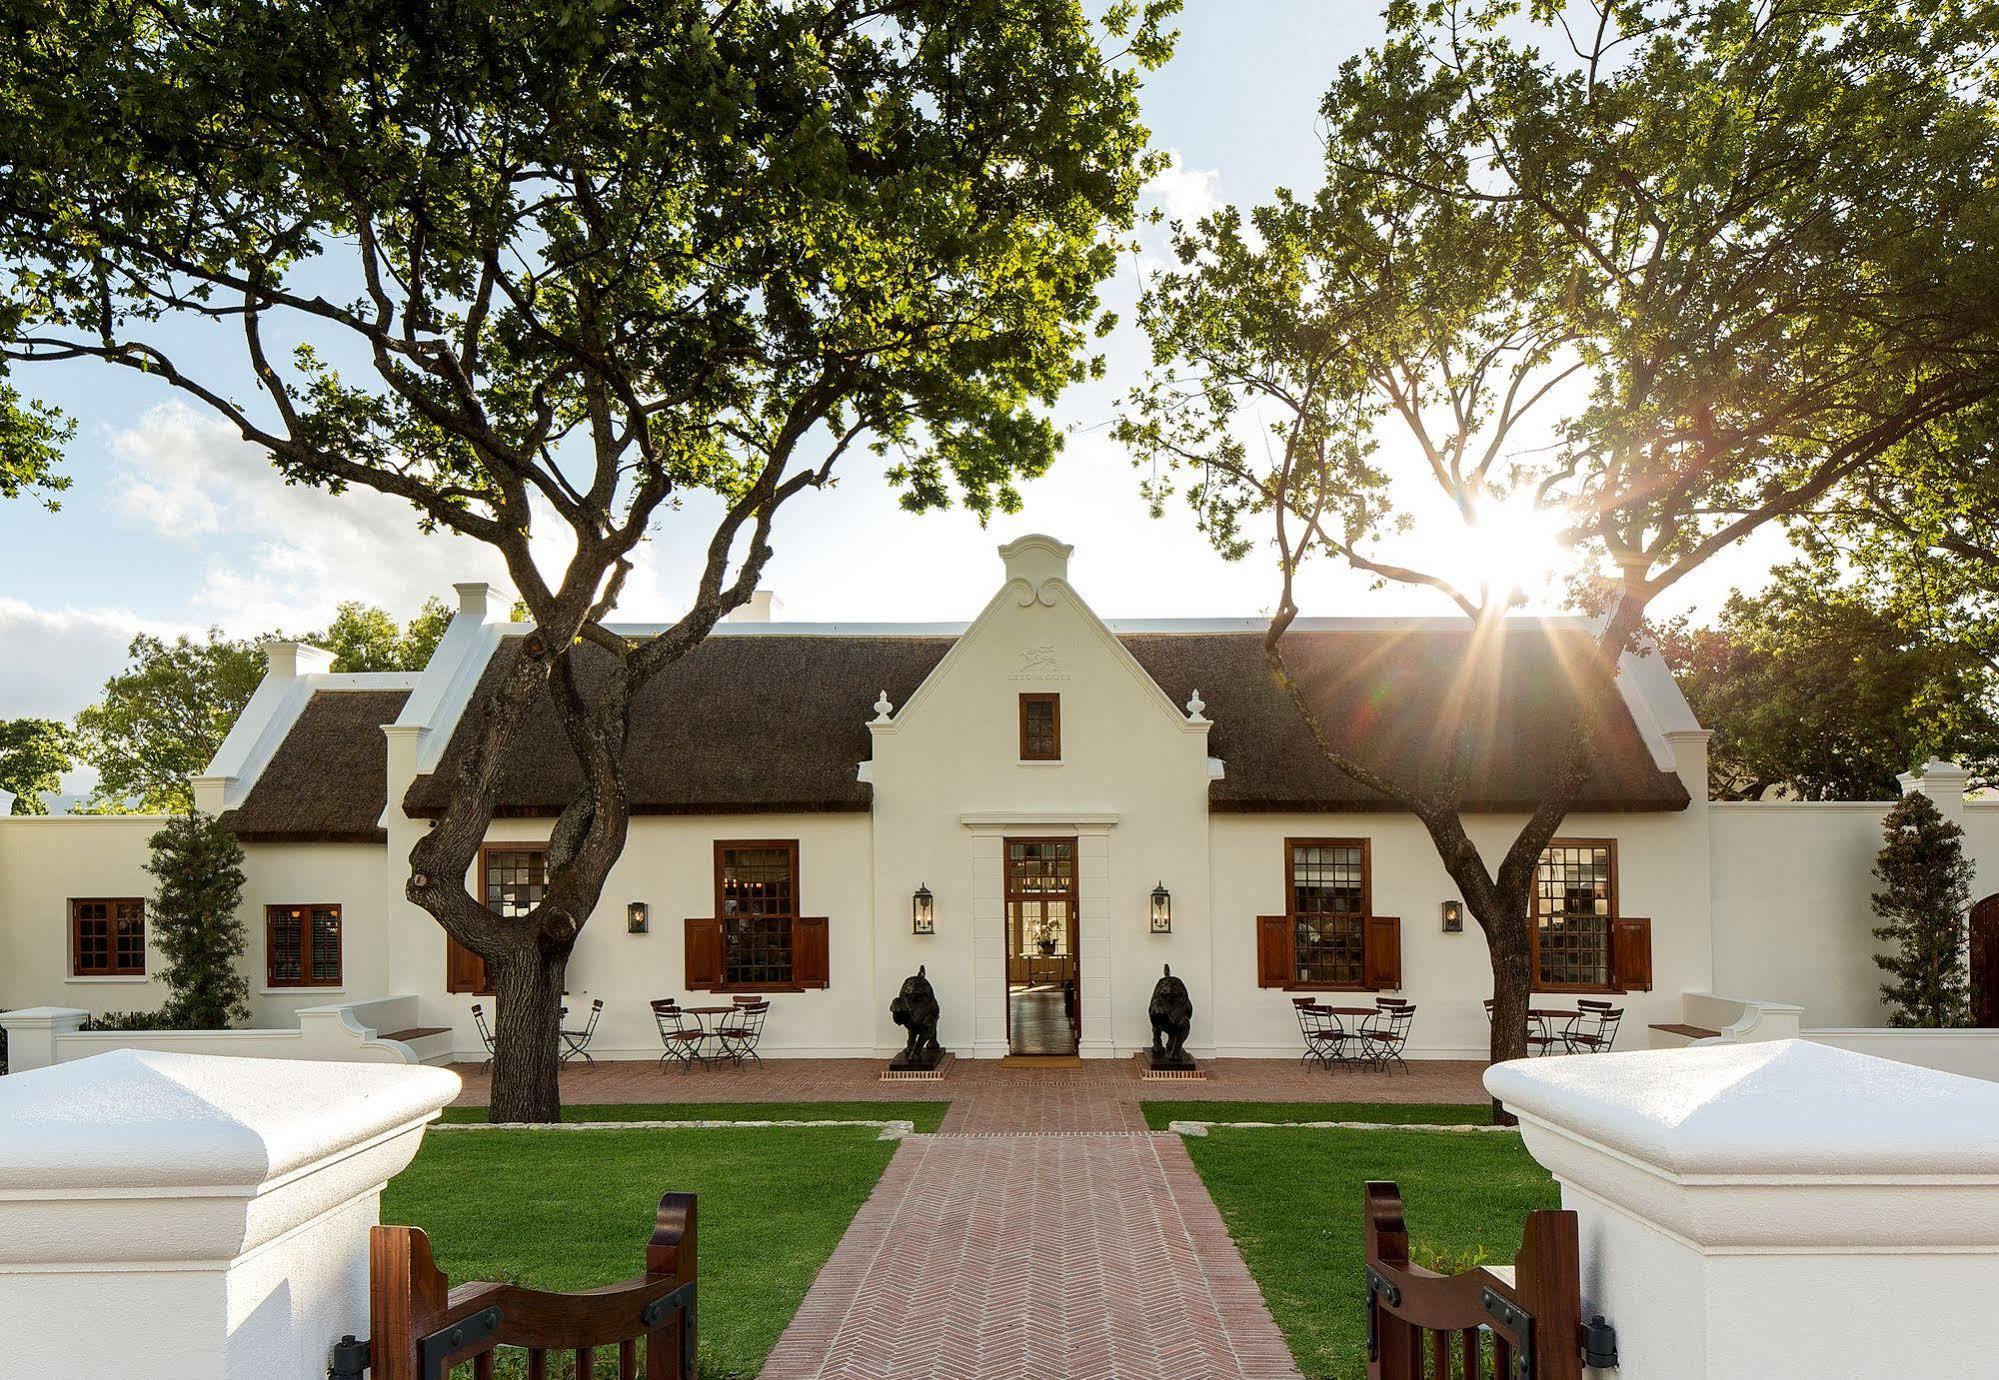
point(1036, 1022)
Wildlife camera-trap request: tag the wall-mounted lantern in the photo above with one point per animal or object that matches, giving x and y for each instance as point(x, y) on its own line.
point(1162, 910)
point(923, 911)
point(1454, 917)
point(638, 916)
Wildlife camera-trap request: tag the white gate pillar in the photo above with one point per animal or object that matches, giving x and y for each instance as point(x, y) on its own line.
point(188, 1217)
point(32, 1033)
point(1772, 1209)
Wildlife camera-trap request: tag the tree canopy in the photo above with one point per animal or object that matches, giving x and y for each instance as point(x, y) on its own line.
point(34, 754)
point(1626, 280)
point(1815, 690)
point(551, 269)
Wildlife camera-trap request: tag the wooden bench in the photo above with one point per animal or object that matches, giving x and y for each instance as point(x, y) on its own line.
point(416, 1032)
point(1692, 1032)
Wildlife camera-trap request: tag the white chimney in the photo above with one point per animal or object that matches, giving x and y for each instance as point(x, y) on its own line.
point(477, 599)
point(288, 660)
point(764, 607)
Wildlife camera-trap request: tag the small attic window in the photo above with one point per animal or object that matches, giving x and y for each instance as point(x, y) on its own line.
point(1041, 728)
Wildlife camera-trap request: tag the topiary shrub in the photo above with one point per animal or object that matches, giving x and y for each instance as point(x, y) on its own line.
point(1926, 886)
point(199, 866)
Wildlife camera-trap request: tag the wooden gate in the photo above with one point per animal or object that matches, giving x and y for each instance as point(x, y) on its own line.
point(424, 1330)
point(1522, 1323)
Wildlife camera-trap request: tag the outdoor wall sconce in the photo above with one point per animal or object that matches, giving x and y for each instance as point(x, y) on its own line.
point(638, 917)
point(1454, 917)
point(923, 911)
point(1162, 910)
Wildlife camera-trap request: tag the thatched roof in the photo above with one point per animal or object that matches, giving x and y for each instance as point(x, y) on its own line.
point(1385, 696)
point(740, 724)
point(777, 722)
point(328, 780)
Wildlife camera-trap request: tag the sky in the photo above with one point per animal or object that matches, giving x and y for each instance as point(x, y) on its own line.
point(173, 524)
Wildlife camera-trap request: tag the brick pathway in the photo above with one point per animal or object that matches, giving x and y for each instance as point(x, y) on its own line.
point(1019, 1257)
point(1043, 1232)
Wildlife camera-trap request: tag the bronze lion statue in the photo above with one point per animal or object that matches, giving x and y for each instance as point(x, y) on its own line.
point(1172, 1013)
point(915, 1009)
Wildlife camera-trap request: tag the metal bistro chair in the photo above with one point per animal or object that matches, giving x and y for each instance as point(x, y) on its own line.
point(485, 1031)
point(741, 1030)
point(680, 1033)
point(1540, 1040)
point(1324, 1036)
point(576, 1043)
point(1384, 1034)
point(1593, 1029)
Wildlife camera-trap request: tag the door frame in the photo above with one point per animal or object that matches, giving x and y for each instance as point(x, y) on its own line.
point(1982, 961)
point(1075, 899)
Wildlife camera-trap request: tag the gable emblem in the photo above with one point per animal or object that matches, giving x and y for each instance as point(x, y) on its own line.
point(1038, 662)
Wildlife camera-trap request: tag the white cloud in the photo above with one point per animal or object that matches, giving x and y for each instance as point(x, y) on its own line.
point(1184, 193)
point(58, 658)
point(276, 555)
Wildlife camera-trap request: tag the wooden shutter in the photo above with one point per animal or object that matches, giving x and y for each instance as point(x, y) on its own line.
point(704, 954)
point(1381, 954)
point(465, 971)
point(810, 964)
point(1631, 954)
point(1274, 950)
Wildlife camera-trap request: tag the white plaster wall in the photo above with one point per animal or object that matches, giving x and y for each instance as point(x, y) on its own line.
point(1660, 860)
point(1131, 787)
point(349, 875)
point(46, 860)
point(669, 863)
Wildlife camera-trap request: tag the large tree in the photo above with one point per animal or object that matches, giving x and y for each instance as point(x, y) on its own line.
point(1635, 278)
point(1819, 689)
point(554, 268)
point(34, 753)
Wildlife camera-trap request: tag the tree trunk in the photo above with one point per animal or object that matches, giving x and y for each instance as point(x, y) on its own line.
point(526, 1048)
point(1512, 988)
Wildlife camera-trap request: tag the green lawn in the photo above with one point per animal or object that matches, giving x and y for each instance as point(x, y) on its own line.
point(569, 1211)
point(925, 1115)
point(1158, 1115)
point(1292, 1201)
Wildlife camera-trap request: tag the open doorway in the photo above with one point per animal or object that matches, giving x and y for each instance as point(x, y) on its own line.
point(1043, 995)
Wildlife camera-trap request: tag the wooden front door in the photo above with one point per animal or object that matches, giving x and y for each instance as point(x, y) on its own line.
point(1985, 962)
point(1041, 939)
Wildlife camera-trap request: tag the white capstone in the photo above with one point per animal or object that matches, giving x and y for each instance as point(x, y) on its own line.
point(1749, 1210)
point(216, 1209)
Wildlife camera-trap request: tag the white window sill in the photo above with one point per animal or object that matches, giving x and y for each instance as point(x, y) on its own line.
point(1039, 762)
point(301, 991)
point(123, 981)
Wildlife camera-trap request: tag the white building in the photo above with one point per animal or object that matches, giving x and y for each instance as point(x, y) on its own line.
point(1040, 773)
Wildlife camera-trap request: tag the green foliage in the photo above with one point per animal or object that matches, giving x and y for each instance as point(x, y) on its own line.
point(193, 922)
point(34, 753)
point(1926, 886)
point(132, 1020)
point(1816, 691)
point(32, 436)
point(1737, 251)
point(163, 717)
point(365, 638)
point(925, 1116)
point(1160, 1115)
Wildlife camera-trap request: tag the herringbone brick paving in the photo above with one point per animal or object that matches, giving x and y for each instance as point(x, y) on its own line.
point(1042, 1234)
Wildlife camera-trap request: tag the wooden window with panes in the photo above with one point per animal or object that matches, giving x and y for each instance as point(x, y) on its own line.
point(513, 877)
point(1040, 728)
point(1328, 938)
point(302, 946)
point(756, 940)
point(1580, 941)
point(107, 937)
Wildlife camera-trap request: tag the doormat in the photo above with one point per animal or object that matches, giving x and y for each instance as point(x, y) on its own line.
point(1041, 1061)
point(1148, 1074)
point(935, 1075)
